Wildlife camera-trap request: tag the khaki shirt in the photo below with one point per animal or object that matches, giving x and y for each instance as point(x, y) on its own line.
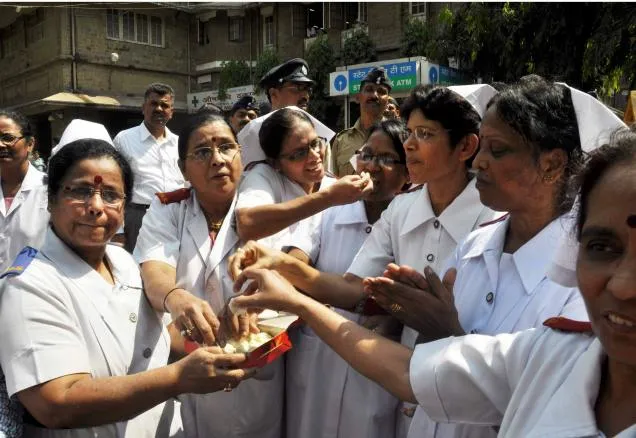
point(344, 146)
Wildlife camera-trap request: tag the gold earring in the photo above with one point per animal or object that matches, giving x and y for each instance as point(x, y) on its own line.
point(548, 178)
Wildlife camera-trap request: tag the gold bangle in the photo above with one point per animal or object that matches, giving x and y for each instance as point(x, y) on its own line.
point(165, 309)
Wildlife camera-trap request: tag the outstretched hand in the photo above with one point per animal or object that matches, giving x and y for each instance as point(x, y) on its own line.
point(424, 303)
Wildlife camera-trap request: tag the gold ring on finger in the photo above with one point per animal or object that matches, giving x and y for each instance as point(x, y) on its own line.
point(396, 308)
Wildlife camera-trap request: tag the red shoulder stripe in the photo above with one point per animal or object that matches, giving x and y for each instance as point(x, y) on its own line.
point(499, 219)
point(175, 196)
point(568, 325)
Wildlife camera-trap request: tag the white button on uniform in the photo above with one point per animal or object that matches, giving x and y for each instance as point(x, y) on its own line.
point(132, 317)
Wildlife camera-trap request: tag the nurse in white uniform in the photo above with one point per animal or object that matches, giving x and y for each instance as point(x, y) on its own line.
point(324, 394)
point(419, 228)
point(289, 191)
point(574, 379)
point(529, 145)
point(23, 214)
point(183, 246)
point(82, 350)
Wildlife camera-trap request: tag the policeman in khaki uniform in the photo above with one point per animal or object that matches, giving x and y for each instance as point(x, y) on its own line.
point(373, 99)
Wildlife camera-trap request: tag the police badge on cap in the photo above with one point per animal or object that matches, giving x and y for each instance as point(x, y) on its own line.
point(294, 70)
point(377, 76)
point(245, 102)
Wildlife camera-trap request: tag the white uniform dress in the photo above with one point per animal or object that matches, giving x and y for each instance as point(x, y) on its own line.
point(497, 292)
point(532, 384)
point(26, 220)
point(263, 185)
point(60, 317)
point(177, 234)
point(409, 233)
point(326, 398)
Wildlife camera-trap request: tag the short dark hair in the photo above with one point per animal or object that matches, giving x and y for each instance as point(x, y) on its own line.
point(445, 106)
point(277, 127)
point(396, 131)
point(21, 120)
point(193, 123)
point(620, 150)
point(85, 149)
point(542, 113)
point(160, 89)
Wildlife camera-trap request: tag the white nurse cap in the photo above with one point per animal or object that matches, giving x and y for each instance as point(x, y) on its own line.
point(596, 125)
point(251, 146)
point(81, 129)
point(478, 95)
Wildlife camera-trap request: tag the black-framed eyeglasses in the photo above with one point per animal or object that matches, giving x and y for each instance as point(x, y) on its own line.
point(110, 198)
point(298, 88)
point(424, 134)
point(317, 145)
point(204, 154)
point(385, 161)
point(9, 139)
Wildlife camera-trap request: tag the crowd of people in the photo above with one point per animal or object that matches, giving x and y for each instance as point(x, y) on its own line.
point(462, 265)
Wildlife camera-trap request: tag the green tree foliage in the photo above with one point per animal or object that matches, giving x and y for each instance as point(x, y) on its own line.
point(321, 60)
point(358, 49)
point(588, 45)
point(233, 74)
point(264, 63)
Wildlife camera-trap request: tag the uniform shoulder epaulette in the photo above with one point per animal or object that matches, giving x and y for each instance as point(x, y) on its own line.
point(568, 325)
point(21, 262)
point(494, 221)
point(411, 190)
point(172, 197)
point(253, 164)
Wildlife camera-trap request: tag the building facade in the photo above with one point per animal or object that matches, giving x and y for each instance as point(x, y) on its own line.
point(95, 60)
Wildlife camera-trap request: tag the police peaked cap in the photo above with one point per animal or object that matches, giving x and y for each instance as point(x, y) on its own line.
point(377, 76)
point(294, 70)
point(245, 102)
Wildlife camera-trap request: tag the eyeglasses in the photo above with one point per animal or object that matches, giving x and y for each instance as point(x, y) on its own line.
point(316, 145)
point(424, 134)
point(298, 89)
point(110, 198)
point(370, 89)
point(9, 140)
point(203, 155)
point(385, 161)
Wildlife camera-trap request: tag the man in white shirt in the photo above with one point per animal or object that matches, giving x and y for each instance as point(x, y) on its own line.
point(153, 154)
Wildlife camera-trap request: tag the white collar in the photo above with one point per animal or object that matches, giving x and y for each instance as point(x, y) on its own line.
point(532, 260)
point(458, 219)
point(351, 214)
point(33, 178)
point(144, 133)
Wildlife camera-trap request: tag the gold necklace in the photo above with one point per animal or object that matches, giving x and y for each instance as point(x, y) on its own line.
point(213, 226)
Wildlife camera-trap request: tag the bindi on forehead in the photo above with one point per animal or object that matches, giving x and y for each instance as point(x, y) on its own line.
point(98, 179)
point(631, 221)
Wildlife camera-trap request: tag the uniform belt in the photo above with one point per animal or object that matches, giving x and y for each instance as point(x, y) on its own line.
point(139, 206)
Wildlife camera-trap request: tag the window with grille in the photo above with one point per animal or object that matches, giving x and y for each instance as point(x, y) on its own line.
point(418, 8)
point(235, 29)
point(34, 25)
point(11, 40)
point(268, 31)
point(135, 28)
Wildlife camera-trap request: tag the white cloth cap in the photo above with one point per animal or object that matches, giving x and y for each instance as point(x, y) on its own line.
point(81, 129)
point(596, 125)
point(596, 121)
point(478, 95)
point(251, 146)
